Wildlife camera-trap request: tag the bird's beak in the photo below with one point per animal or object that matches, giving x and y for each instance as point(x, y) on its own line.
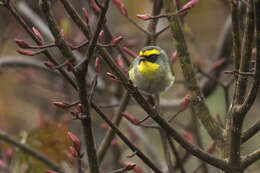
point(142, 59)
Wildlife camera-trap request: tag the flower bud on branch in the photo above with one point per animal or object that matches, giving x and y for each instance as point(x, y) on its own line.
point(98, 65)
point(130, 52)
point(101, 35)
point(63, 105)
point(143, 16)
point(121, 6)
point(50, 171)
point(116, 40)
point(28, 52)
point(85, 15)
point(174, 57)
point(49, 65)
point(76, 142)
point(94, 6)
point(188, 136)
point(129, 166)
point(37, 34)
point(22, 44)
point(130, 118)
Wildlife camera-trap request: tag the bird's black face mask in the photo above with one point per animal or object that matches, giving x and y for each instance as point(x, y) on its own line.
point(151, 58)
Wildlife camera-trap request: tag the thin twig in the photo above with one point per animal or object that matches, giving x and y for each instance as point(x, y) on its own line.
point(125, 140)
point(176, 154)
point(110, 134)
point(201, 109)
point(250, 159)
point(38, 41)
point(236, 33)
point(251, 131)
point(137, 26)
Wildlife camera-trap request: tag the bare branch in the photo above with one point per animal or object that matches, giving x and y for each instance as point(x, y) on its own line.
point(250, 159)
point(251, 131)
point(200, 108)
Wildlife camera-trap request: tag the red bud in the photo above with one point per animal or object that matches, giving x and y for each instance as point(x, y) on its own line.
point(188, 136)
point(118, 3)
point(61, 104)
point(121, 6)
point(104, 126)
point(138, 169)
point(115, 143)
point(120, 62)
point(116, 40)
point(101, 35)
point(131, 43)
point(253, 53)
point(85, 15)
point(143, 16)
point(49, 65)
point(9, 154)
point(218, 118)
point(111, 75)
point(189, 5)
point(131, 155)
point(63, 34)
point(97, 65)
point(124, 11)
point(2, 164)
point(130, 52)
point(74, 151)
point(70, 66)
point(212, 147)
point(76, 141)
point(37, 33)
point(129, 166)
point(69, 157)
point(22, 44)
point(185, 103)
point(94, 6)
point(174, 57)
point(50, 171)
point(28, 52)
point(130, 118)
point(79, 108)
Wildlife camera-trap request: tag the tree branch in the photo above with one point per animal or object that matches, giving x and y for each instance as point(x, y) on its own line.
point(125, 140)
point(236, 33)
point(251, 131)
point(38, 42)
point(110, 134)
point(241, 83)
point(249, 100)
point(198, 103)
point(250, 159)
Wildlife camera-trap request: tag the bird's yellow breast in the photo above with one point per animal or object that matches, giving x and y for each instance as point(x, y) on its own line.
point(148, 67)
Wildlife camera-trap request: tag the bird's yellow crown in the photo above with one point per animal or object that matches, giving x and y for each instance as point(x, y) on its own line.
point(149, 52)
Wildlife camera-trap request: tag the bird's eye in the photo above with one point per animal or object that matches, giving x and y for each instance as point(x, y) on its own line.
point(152, 58)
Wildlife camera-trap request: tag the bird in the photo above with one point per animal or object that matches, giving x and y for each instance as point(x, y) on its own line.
point(151, 70)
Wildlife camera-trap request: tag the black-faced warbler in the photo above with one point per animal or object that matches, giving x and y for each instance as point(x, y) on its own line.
point(151, 70)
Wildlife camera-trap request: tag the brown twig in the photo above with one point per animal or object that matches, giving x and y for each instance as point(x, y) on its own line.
point(125, 140)
point(200, 107)
point(13, 11)
point(110, 134)
point(251, 131)
point(176, 154)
